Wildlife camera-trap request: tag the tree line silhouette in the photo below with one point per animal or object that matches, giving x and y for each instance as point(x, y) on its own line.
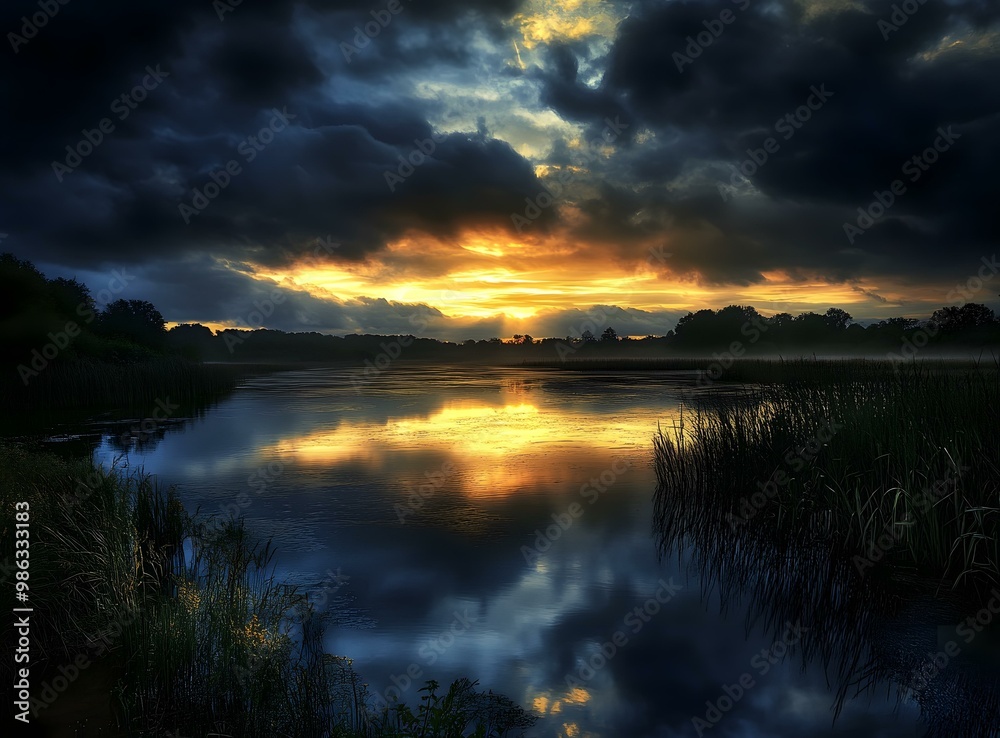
point(44, 320)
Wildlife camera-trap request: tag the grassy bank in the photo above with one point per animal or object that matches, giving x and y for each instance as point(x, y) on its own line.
point(170, 631)
point(900, 464)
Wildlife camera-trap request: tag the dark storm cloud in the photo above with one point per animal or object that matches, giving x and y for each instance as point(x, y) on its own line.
point(564, 92)
point(325, 172)
point(886, 106)
point(218, 83)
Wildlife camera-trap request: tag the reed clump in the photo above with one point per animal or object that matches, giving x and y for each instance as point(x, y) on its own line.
point(908, 479)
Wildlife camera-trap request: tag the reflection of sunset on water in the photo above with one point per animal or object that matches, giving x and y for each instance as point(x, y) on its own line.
point(549, 703)
point(496, 449)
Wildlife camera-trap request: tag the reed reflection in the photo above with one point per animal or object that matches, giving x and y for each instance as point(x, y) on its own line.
point(791, 556)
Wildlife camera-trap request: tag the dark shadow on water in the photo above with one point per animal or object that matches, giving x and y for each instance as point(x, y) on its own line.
point(133, 429)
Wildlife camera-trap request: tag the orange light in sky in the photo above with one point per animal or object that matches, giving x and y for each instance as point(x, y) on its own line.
point(480, 274)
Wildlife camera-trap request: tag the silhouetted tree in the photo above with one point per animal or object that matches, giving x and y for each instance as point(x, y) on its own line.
point(899, 323)
point(697, 329)
point(736, 316)
point(194, 341)
point(609, 335)
point(133, 320)
point(780, 321)
point(970, 315)
point(837, 319)
point(71, 299)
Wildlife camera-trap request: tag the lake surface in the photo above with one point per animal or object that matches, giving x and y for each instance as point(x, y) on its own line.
point(497, 524)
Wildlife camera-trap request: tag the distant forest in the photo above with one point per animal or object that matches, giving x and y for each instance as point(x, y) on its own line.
point(57, 320)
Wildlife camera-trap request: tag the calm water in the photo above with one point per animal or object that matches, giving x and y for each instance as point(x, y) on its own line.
point(459, 585)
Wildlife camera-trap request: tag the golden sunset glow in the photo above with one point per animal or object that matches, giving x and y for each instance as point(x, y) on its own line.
point(564, 20)
point(481, 274)
point(550, 704)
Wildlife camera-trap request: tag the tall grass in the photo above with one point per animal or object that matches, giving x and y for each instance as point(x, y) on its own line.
point(197, 632)
point(916, 456)
point(880, 533)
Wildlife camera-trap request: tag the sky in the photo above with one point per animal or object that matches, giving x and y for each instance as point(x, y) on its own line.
point(501, 167)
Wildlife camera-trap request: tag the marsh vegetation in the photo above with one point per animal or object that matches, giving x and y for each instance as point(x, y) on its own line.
point(861, 500)
point(185, 626)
